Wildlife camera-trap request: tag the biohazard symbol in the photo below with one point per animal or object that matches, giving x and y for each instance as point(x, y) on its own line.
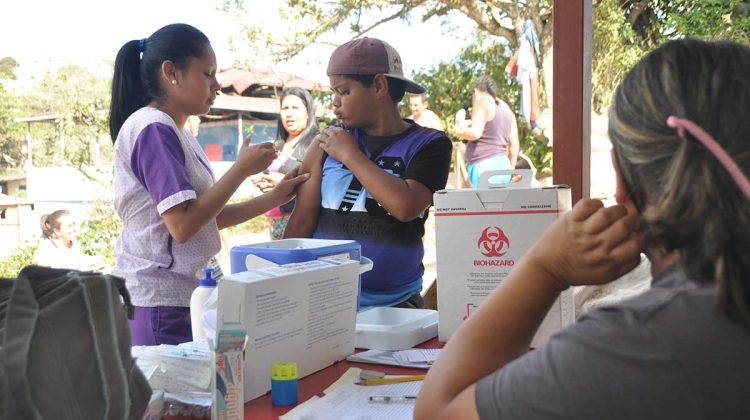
point(493, 242)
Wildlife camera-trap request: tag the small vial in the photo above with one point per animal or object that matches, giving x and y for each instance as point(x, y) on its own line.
point(284, 383)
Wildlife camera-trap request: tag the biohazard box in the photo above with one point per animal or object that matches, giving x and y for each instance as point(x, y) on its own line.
point(481, 234)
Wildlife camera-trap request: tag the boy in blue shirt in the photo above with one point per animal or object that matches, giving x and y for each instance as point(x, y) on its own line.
point(373, 179)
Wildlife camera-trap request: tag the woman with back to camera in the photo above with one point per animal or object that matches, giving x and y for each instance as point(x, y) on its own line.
point(165, 192)
point(59, 247)
point(681, 350)
point(491, 132)
point(296, 128)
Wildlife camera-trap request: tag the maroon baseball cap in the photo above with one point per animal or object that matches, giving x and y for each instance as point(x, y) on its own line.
point(369, 56)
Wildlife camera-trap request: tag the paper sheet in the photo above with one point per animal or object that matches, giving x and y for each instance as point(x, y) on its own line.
point(301, 406)
point(417, 355)
point(350, 376)
point(413, 358)
point(350, 401)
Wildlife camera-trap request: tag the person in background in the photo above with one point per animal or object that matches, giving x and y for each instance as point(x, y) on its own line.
point(59, 247)
point(492, 133)
point(421, 115)
point(524, 162)
point(165, 192)
point(296, 128)
point(193, 125)
point(373, 180)
point(678, 351)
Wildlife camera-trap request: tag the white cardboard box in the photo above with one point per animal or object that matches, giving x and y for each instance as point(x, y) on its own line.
point(481, 234)
point(302, 312)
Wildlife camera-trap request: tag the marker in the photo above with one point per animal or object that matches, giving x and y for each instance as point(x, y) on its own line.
point(392, 398)
point(393, 380)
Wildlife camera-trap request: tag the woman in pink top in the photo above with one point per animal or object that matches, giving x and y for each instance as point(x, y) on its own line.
point(296, 128)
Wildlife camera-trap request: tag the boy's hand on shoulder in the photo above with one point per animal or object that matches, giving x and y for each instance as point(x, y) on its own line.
point(255, 158)
point(591, 244)
point(338, 143)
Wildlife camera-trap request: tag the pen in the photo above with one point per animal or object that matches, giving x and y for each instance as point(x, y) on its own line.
point(393, 380)
point(392, 398)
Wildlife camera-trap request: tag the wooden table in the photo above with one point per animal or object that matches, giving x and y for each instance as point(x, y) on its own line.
point(309, 386)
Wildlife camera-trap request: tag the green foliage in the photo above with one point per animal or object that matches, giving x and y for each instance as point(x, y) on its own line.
point(8, 66)
point(12, 142)
point(82, 101)
point(97, 237)
point(100, 231)
point(616, 49)
point(76, 132)
point(449, 86)
point(18, 259)
point(711, 19)
point(255, 225)
point(624, 31)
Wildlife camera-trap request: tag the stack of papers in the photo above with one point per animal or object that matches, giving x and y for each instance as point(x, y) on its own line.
point(413, 358)
point(345, 400)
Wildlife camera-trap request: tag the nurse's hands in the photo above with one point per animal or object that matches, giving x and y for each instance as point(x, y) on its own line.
point(286, 189)
point(253, 159)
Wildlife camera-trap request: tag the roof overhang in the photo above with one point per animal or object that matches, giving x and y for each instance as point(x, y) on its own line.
point(246, 104)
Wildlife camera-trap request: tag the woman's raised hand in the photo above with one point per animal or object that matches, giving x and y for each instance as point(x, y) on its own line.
point(592, 244)
point(255, 158)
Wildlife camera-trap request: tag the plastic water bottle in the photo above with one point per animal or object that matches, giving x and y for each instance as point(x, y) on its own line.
point(197, 301)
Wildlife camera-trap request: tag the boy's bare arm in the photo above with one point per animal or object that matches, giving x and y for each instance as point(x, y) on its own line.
point(304, 217)
point(403, 199)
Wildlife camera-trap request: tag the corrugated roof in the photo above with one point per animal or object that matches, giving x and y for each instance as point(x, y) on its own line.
point(241, 80)
point(246, 104)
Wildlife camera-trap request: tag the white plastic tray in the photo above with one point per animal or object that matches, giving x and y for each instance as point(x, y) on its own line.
point(395, 328)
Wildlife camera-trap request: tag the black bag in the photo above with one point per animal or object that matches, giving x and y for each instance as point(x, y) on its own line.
point(65, 348)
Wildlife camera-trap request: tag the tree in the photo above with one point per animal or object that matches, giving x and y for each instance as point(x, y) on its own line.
point(77, 102)
point(11, 152)
point(624, 30)
point(450, 85)
point(304, 22)
point(8, 66)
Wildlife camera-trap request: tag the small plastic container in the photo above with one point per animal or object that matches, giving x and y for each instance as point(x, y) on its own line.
point(197, 302)
point(395, 328)
point(284, 383)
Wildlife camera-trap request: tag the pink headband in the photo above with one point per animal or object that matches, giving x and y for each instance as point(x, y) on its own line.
point(701, 135)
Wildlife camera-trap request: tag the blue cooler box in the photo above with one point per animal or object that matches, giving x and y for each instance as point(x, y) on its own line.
point(286, 251)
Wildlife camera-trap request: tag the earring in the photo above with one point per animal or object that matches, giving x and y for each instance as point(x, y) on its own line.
point(174, 82)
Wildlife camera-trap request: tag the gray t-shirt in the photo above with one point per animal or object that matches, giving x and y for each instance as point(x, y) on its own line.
point(667, 354)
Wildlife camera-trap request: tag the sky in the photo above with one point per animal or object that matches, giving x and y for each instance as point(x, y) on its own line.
point(43, 34)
